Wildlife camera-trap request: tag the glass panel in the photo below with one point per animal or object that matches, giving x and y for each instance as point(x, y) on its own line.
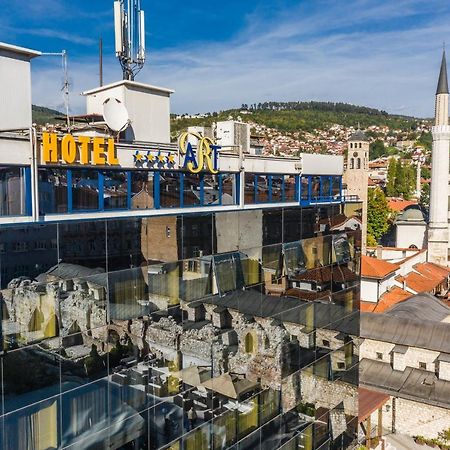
point(336, 187)
point(229, 273)
point(142, 196)
point(315, 188)
point(325, 187)
point(290, 188)
point(229, 188)
point(85, 190)
point(304, 188)
point(211, 190)
point(192, 193)
point(277, 189)
point(170, 189)
point(249, 189)
point(263, 193)
point(52, 190)
point(115, 190)
point(12, 191)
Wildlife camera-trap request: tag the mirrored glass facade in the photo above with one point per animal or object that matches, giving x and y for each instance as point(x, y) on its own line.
point(225, 330)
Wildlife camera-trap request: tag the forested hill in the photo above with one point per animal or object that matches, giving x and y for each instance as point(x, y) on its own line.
point(43, 115)
point(303, 116)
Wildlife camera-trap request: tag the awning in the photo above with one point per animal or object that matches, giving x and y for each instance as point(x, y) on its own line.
point(369, 402)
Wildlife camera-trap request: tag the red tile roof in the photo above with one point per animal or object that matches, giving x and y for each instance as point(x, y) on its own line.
point(388, 299)
point(429, 276)
point(398, 204)
point(376, 268)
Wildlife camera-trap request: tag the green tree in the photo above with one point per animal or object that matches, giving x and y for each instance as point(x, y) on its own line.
point(405, 179)
point(377, 149)
point(391, 177)
point(425, 196)
point(377, 215)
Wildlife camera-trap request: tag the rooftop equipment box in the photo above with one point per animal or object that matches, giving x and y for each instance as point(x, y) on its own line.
point(148, 109)
point(15, 87)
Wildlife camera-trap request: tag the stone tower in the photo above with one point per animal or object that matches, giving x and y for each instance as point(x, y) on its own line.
point(438, 228)
point(357, 175)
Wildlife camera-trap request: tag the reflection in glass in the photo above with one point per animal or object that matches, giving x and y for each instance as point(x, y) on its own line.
point(85, 190)
point(193, 189)
point(142, 195)
point(229, 272)
point(52, 190)
point(170, 189)
point(115, 189)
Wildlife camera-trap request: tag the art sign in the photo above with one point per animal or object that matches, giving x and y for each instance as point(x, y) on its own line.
point(204, 157)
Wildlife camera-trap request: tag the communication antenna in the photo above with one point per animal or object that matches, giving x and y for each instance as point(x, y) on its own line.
point(129, 26)
point(115, 114)
point(66, 85)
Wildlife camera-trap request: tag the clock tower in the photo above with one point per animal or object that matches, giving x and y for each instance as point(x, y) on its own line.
point(356, 177)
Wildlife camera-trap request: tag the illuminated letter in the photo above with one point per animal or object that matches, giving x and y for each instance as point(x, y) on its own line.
point(49, 147)
point(112, 156)
point(99, 158)
point(204, 155)
point(84, 149)
point(190, 162)
point(68, 149)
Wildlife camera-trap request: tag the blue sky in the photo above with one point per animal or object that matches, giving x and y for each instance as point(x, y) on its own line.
point(217, 55)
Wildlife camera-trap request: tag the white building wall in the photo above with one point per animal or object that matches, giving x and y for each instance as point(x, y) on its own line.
point(408, 235)
point(369, 290)
point(15, 88)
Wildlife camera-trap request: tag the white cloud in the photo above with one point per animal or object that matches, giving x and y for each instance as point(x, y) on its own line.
point(342, 51)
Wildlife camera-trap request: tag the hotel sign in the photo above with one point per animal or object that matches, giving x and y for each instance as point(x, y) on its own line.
point(83, 150)
point(205, 157)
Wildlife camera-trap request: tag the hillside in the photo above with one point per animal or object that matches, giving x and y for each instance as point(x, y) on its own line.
point(43, 115)
point(303, 116)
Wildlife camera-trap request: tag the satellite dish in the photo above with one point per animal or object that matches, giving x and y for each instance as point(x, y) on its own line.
point(115, 114)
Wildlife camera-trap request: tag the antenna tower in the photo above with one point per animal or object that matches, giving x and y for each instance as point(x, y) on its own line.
point(129, 25)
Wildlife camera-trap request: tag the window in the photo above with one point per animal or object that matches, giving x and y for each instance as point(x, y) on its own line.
point(170, 190)
point(326, 343)
point(263, 193)
point(52, 190)
point(325, 187)
point(422, 365)
point(250, 343)
point(358, 163)
point(115, 189)
point(229, 188)
point(341, 365)
point(315, 186)
point(249, 189)
point(290, 188)
point(85, 190)
point(379, 355)
point(211, 190)
point(13, 191)
point(192, 189)
point(305, 188)
point(142, 194)
point(352, 163)
point(335, 187)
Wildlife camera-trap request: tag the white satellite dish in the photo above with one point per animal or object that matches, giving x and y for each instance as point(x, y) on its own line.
point(115, 114)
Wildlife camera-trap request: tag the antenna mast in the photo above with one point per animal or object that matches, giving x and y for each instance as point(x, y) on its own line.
point(129, 25)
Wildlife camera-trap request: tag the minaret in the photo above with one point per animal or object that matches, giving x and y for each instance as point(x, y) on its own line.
point(438, 229)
